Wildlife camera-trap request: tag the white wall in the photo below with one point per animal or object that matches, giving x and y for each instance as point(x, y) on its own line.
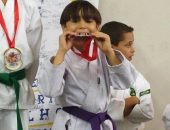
point(151, 20)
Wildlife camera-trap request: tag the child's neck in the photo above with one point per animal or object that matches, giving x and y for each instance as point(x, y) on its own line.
point(80, 48)
point(4, 1)
point(80, 45)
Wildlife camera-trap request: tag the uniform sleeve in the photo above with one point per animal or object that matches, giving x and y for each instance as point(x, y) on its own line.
point(144, 111)
point(122, 76)
point(34, 37)
point(48, 84)
point(116, 108)
point(116, 105)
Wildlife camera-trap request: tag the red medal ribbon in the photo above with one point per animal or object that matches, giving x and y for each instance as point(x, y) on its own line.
point(16, 19)
point(85, 53)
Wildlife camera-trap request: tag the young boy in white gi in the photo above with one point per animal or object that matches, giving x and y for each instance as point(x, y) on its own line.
point(20, 38)
point(79, 76)
point(122, 39)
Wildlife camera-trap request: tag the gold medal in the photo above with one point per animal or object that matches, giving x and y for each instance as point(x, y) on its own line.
point(12, 59)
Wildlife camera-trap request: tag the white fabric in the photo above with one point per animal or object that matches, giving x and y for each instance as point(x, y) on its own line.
point(8, 119)
point(77, 82)
point(28, 39)
point(142, 112)
point(166, 117)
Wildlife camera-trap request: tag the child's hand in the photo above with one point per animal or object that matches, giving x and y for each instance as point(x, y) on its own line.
point(103, 41)
point(66, 41)
point(130, 103)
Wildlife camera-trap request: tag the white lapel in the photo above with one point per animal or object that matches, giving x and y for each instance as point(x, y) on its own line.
point(8, 15)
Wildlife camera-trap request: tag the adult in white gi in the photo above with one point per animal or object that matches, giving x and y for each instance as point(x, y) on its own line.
point(81, 82)
point(27, 41)
point(122, 39)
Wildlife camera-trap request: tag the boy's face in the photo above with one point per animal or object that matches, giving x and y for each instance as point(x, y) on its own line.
point(126, 46)
point(81, 26)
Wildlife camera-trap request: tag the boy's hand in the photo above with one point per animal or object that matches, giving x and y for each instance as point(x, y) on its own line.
point(104, 43)
point(130, 103)
point(66, 41)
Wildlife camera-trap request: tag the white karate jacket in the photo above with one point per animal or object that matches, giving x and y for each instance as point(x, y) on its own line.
point(142, 112)
point(28, 40)
point(78, 82)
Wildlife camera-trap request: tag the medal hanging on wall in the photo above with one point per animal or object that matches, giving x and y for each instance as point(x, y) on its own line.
point(12, 56)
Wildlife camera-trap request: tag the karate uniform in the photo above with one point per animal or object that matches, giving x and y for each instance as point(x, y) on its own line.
point(28, 39)
point(78, 82)
point(141, 112)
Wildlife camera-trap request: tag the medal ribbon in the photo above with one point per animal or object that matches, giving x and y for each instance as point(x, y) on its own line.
point(11, 44)
point(85, 53)
point(16, 19)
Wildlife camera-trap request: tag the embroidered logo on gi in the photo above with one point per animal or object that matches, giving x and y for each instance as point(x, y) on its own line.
point(145, 92)
point(132, 92)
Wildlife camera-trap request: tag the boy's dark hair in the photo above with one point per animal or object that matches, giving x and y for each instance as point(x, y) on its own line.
point(72, 12)
point(116, 30)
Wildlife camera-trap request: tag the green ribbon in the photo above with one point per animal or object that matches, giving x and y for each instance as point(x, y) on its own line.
point(11, 80)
